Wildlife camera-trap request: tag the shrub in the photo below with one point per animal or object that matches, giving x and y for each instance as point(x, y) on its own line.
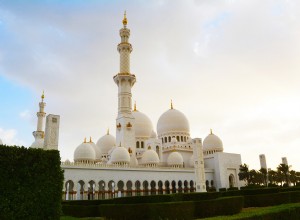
point(31, 183)
point(270, 199)
point(222, 189)
point(220, 206)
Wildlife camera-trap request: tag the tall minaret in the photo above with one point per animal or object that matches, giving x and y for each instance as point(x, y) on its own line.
point(39, 133)
point(125, 135)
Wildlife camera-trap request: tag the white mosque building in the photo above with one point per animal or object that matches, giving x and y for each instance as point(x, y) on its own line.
point(139, 161)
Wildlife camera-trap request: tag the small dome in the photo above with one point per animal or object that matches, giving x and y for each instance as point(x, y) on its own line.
point(38, 143)
point(84, 152)
point(172, 121)
point(120, 155)
point(67, 161)
point(212, 143)
point(106, 143)
point(150, 157)
point(175, 159)
point(142, 124)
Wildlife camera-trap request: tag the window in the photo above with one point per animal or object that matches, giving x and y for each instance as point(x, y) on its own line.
point(137, 144)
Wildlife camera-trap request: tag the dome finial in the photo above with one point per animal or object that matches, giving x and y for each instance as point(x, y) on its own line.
point(134, 109)
point(43, 96)
point(125, 19)
point(90, 139)
point(171, 104)
point(211, 131)
point(84, 140)
point(107, 132)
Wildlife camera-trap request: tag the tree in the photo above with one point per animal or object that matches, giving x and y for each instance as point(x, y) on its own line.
point(264, 176)
point(283, 171)
point(293, 177)
point(244, 173)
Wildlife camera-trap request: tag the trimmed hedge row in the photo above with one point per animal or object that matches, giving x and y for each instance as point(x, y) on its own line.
point(164, 210)
point(271, 199)
point(149, 199)
point(31, 183)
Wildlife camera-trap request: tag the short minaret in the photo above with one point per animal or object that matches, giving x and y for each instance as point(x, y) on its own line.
point(263, 162)
point(39, 133)
point(125, 134)
point(199, 165)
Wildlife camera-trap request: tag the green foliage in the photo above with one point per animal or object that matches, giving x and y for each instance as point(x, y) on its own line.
point(220, 206)
point(31, 183)
point(271, 199)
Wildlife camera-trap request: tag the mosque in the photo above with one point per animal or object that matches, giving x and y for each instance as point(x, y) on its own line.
point(138, 160)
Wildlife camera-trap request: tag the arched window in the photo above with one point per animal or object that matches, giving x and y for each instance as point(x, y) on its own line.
point(137, 144)
point(142, 144)
point(162, 140)
point(169, 138)
point(177, 138)
point(166, 139)
point(181, 139)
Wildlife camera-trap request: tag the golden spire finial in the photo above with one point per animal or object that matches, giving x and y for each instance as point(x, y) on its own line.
point(90, 139)
point(107, 132)
point(43, 96)
point(125, 19)
point(134, 109)
point(84, 140)
point(211, 131)
point(171, 104)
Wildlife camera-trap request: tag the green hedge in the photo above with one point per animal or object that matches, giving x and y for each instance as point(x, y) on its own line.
point(220, 206)
point(162, 210)
point(31, 183)
point(145, 211)
point(271, 199)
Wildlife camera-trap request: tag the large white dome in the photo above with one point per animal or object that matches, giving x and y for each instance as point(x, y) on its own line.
point(97, 151)
point(120, 155)
point(38, 143)
point(84, 152)
point(143, 125)
point(172, 121)
point(150, 157)
point(212, 143)
point(175, 159)
point(106, 143)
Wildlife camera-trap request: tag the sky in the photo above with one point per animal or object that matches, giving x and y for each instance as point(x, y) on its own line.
point(229, 65)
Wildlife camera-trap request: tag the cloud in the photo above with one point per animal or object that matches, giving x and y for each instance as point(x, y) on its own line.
point(9, 137)
point(26, 115)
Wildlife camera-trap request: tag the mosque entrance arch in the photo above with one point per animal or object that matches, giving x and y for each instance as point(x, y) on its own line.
point(101, 192)
point(80, 190)
point(186, 186)
point(120, 188)
point(180, 186)
point(231, 181)
point(160, 187)
point(167, 187)
point(111, 189)
point(138, 188)
point(145, 188)
point(153, 187)
point(91, 190)
point(69, 186)
point(129, 188)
